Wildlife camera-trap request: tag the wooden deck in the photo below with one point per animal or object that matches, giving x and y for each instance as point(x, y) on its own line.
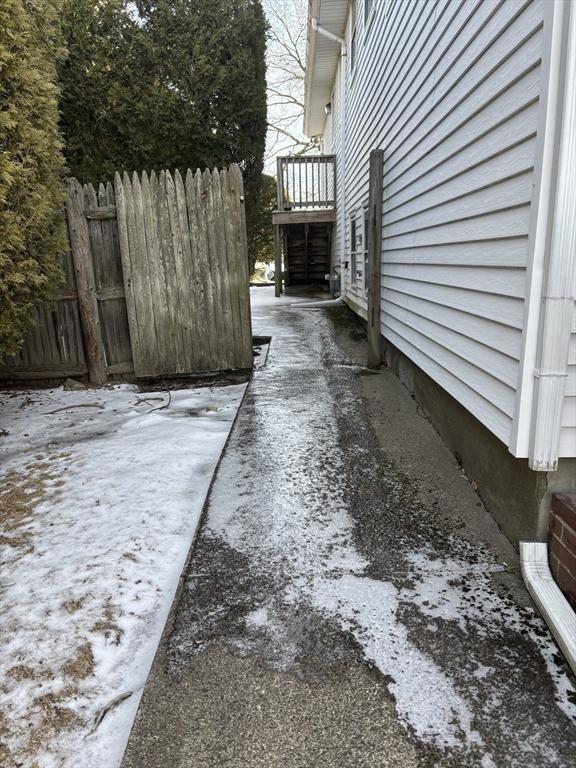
point(303, 221)
point(298, 216)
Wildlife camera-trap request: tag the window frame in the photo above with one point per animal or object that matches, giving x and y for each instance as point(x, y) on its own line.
point(358, 245)
point(352, 243)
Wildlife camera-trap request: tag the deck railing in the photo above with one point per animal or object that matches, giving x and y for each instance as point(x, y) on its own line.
point(306, 182)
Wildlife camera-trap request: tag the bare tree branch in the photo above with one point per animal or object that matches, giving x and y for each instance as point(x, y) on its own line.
point(285, 98)
point(286, 73)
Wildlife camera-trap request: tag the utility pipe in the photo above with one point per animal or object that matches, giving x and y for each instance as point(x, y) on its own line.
point(317, 304)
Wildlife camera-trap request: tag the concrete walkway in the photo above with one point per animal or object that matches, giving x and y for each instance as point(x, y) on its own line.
point(349, 602)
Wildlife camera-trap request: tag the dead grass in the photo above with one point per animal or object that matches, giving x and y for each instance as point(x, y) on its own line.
point(22, 672)
point(47, 717)
point(49, 714)
point(107, 625)
point(20, 493)
point(34, 730)
point(81, 665)
point(6, 757)
point(73, 605)
point(55, 717)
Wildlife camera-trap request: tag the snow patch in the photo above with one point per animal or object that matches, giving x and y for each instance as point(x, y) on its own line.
point(103, 490)
point(368, 609)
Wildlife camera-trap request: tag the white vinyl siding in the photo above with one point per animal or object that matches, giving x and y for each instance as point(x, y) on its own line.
point(568, 429)
point(450, 90)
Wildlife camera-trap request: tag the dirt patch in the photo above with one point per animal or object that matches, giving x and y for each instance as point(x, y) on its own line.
point(81, 665)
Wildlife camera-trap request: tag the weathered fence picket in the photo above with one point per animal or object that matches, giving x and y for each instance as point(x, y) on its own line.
point(85, 283)
point(156, 282)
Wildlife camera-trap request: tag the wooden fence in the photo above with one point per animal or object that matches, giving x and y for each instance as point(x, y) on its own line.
point(156, 282)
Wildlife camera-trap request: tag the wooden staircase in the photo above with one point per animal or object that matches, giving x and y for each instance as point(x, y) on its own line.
point(307, 253)
point(304, 219)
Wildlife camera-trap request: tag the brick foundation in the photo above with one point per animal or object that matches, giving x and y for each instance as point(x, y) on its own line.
point(562, 543)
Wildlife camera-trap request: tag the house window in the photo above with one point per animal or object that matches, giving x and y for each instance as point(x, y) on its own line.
point(358, 250)
point(368, 8)
point(354, 36)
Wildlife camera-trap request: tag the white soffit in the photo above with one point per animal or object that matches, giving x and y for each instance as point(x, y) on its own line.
point(322, 57)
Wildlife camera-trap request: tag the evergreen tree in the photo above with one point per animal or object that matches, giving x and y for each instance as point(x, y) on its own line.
point(30, 164)
point(263, 243)
point(165, 84)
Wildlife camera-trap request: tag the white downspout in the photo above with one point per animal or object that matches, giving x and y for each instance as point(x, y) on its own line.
point(558, 296)
point(342, 163)
point(550, 601)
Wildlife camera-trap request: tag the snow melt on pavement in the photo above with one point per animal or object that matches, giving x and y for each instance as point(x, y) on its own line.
point(293, 523)
point(101, 494)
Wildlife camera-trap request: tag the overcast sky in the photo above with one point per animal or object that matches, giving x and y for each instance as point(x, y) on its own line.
point(285, 59)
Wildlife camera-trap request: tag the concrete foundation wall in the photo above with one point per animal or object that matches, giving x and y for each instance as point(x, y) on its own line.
point(517, 497)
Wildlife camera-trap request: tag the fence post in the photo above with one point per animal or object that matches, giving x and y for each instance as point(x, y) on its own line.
point(375, 255)
point(85, 284)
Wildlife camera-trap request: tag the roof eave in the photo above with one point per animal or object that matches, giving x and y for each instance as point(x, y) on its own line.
point(312, 38)
point(315, 97)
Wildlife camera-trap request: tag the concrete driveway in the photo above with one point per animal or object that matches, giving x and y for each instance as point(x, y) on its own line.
point(349, 602)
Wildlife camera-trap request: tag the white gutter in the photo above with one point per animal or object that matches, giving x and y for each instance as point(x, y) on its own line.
point(326, 33)
point(554, 268)
point(342, 163)
point(550, 601)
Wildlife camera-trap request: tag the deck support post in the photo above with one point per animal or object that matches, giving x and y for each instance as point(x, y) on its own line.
point(375, 255)
point(277, 261)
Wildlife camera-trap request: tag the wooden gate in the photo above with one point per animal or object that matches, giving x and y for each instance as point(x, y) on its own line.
point(156, 282)
point(185, 271)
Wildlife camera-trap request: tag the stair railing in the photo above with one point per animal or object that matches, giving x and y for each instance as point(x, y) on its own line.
point(306, 182)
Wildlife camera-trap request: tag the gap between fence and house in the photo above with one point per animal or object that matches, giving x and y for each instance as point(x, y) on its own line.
point(155, 284)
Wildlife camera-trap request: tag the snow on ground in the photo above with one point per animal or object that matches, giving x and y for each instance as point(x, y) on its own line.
point(100, 497)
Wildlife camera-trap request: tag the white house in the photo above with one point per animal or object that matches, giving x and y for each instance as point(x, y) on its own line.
point(474, 105)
